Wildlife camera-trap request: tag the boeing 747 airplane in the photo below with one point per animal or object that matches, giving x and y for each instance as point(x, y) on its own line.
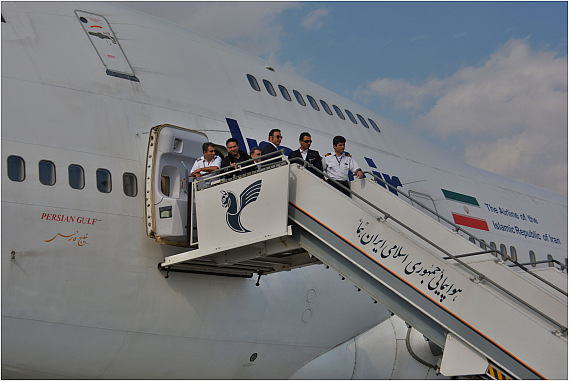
point(115, 267)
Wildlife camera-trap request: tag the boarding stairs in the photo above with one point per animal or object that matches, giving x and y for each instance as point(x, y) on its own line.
point(482, 313)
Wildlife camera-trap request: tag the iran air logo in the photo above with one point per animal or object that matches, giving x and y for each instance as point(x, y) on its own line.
point(233, 213)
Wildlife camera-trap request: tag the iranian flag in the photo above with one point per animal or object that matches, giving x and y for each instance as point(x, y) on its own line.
point(463, 219)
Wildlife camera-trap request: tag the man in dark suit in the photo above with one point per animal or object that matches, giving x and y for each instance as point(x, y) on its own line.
point(307, 154)
point(234, 158)
point(274, 141)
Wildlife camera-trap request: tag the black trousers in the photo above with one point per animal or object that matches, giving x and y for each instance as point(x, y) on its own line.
point(344, 187)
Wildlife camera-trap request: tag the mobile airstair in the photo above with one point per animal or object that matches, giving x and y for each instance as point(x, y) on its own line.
point(482, 313)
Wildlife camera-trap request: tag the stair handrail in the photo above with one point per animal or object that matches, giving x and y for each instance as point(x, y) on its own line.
point(457, 228)
point(480, 276)
point(562, 265)
point(266, 161)
point(271, 156)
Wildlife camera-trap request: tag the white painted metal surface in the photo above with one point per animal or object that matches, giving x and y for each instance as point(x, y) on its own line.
point(438, 282)
point(551, 274)
point(445, 291)
point(379, 353)
point(235, 214)
point(105, 43)
point(101, 309)
point(461, 360)
point(530, 289)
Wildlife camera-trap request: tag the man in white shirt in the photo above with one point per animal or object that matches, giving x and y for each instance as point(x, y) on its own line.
point(207, 163)
point(307, 154)
point(337, 164)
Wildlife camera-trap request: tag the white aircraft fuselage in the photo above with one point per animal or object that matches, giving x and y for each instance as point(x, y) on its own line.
point(81, 293)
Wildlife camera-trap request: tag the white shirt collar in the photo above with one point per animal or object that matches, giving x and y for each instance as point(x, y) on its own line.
point(206, 161)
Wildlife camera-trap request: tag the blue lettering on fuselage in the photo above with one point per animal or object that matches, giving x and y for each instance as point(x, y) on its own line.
point(394, 181)
point(252, 143)
point(236, 132)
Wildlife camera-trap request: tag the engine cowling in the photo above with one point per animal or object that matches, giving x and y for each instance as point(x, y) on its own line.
point(385, 351)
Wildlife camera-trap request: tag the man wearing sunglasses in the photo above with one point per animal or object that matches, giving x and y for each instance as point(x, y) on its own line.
point(273, 145)
point(307, 154)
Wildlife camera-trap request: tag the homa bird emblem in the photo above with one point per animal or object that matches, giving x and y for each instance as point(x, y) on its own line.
point(233, 213)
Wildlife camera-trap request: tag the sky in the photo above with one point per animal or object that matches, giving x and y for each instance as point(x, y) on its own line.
point(487, 81)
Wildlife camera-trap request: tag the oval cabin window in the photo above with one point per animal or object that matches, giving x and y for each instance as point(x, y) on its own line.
point(130, 184)
point(299, 98)
point(103, 180)
point(253, 82)
point(313, 103)
point(269, 88)
point(76, 176)
point(47, 172)
point(16, 168)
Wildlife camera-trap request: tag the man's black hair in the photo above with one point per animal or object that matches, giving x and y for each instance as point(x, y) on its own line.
point(303, 134)
point(338, 139)
point(206, 145)
point(273, 131)
point(232, 140)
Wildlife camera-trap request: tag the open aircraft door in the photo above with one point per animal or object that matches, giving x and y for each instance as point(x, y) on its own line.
point(171, 153)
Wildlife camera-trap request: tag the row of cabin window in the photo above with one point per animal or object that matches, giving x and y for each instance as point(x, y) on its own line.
point(513, 254)
point(285, 93)
point(76, 175)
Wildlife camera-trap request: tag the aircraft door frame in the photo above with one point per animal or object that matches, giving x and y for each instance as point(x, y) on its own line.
point(171, 153)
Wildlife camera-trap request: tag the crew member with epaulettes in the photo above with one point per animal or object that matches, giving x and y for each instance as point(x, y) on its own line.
point(207, 163)
point(337, 164)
